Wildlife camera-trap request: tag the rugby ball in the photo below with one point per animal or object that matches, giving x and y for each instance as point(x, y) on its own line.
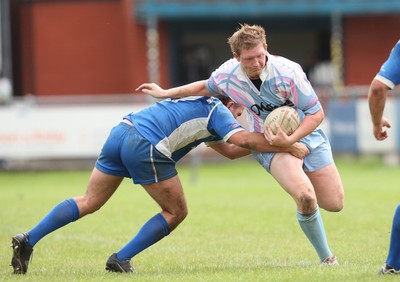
point(287, 117)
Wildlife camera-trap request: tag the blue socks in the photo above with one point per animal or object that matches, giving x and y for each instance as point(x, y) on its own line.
point(157, 228)
point(151, 232)
point(393, 258)
point(62, 214)
point(313, 227)
point(67, 211)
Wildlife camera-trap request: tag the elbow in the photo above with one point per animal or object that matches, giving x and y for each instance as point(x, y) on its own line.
point(233, 157)
point(319, 117)
point(377, 89)
point(321, 114)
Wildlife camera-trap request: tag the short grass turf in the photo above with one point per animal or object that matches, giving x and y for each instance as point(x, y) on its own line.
point(241, 227)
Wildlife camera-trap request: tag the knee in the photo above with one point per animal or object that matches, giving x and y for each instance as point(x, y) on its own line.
point(86, 206)
point(181, 214)
point(338, 206)
point(334, 205)
point(177, 216)
point(335, 208)
point(307, 203)
point(92, 209)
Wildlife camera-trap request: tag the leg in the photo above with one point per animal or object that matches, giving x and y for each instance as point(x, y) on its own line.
point(100, 188)
point(169, 195)
point(393, 258)
point(288, 171)
point(171, 198)
point(328, 188)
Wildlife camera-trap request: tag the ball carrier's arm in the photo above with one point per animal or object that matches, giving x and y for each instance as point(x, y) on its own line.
point(197, 88)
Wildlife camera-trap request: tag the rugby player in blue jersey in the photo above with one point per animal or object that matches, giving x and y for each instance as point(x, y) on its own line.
point(145, 146)
point(386, 79)
point(263, 82)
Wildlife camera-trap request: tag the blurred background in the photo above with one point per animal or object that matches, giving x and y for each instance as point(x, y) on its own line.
point(69, 68)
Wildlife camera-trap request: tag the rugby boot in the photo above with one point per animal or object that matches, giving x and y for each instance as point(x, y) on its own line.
point(115, 265)
point(387, 269)
point(22, 253)
point(330, 261)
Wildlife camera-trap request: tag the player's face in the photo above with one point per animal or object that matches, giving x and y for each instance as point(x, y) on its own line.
point(253, 60)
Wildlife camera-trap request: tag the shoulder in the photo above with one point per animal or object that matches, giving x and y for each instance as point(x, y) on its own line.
point(284, 66)
point(389, 73)
point(228, 66)
point(190, 104)
point(395, 52)
point(227, 72)
point(282, 61)
point(396, 48)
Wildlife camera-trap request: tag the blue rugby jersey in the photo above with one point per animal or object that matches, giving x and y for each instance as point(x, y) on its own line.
point(176, 126)
point(389, 74)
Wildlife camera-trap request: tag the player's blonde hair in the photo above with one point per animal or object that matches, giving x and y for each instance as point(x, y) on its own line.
point(246, 37)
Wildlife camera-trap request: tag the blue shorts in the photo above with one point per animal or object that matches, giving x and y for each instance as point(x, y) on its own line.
point(320, 153)
point(127, 153)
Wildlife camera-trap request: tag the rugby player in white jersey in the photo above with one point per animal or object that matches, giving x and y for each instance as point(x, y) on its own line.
point(263, 82)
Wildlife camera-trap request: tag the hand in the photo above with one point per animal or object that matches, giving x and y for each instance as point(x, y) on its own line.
point(152, 89)
point(299, 150)
point(378, 131)
point(279, 139)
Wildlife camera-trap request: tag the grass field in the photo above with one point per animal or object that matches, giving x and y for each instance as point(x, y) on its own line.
point(241, 227)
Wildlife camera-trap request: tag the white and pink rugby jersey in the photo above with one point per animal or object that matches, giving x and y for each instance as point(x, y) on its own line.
point(283, 83)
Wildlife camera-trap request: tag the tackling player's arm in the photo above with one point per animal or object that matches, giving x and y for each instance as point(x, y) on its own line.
point(243, 142)
point(230, 151)
point(197, 88)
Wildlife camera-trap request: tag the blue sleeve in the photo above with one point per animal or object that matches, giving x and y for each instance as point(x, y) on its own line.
point(391, 68)
point(222, 123)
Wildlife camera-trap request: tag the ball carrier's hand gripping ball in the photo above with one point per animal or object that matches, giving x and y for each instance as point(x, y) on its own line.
point(287, 118)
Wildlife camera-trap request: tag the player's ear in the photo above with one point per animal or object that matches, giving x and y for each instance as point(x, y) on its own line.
point(230, 104)
point(237, 57)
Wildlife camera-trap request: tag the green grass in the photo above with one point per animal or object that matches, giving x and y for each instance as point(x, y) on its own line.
point(241, 227)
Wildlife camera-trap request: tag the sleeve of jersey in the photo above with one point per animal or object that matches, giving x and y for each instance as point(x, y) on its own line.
point(389, 74)
point(303, 93)
point(213, 81)
point(222, 123)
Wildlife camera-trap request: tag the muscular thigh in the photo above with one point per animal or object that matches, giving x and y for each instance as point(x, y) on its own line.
point(100, 188)
point(328, 187)
point(288, 171)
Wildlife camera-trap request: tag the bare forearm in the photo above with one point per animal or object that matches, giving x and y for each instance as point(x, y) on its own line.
point(308, 125)
point(230, 151)
point(197, 88)
point(243, 142)
point(376, 101)
point(255, 142)
point(264, 146)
